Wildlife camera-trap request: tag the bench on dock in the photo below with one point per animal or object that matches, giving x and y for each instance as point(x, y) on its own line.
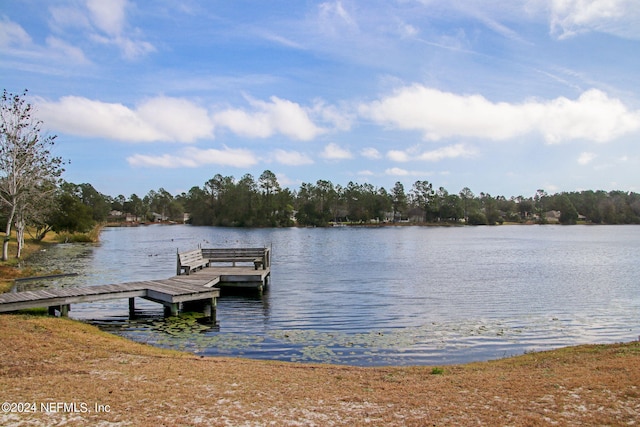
point(191, 261)
point(260, 257)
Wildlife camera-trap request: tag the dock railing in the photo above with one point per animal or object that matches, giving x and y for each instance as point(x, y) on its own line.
point(259, 257)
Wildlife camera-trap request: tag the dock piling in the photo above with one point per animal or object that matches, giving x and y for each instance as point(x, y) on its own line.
point(132, 308)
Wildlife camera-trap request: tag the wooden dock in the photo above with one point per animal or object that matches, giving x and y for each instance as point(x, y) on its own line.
point(199, 287)
point(171, 293)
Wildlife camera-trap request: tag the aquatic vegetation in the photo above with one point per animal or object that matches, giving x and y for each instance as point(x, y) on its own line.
point(388, 346)
point(316, 353)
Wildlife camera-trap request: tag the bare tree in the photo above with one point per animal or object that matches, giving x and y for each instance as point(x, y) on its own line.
point(26, 164)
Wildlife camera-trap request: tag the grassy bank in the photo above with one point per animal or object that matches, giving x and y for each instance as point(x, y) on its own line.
point(123, 383)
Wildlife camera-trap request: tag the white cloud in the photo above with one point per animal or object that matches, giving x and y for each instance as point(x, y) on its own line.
point(585, 158)
point(69, 52)
point(414, 153)
point(449, 152)
point(193, 157)
point(397, 172)
point(333, 16)
point(12, 34)
point(619, 17)
point(407, 30)
point(593, 116)
point(103, 22)
point(404, 172)
point(269, 118)
point(441, 114)
point(285, 181)
point(370, 153)
point(291, 158)
point(267, 35)
point(178, 119)
point(108, 16)
point(157, 119)
point(66, 17)
point(339, 118)
point(174, 119)
point(398, 156)
point(18, 42)
point(132, 49)
point(333, 151)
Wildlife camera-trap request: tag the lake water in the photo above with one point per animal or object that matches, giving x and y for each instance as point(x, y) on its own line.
point(380, 296)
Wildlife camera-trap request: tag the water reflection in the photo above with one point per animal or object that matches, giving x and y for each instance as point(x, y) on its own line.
point(409, 295)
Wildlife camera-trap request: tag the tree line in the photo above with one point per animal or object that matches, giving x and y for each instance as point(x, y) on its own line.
point(262, 202)
point(33, 197)
point(247, 202)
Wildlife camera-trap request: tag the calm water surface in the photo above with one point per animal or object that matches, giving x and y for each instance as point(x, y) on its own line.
point(381, 296)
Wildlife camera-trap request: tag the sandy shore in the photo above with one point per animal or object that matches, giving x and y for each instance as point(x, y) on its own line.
point(62, 372)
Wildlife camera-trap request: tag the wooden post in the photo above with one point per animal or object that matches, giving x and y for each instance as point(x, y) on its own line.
point(132, 308)
point(210, 310)
point(171, 309)
point(214, 311)
point(64, 310)
point(174, 309)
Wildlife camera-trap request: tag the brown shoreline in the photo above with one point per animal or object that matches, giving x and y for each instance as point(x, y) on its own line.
point(96, 378)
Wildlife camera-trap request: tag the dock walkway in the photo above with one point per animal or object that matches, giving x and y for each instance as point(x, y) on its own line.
point(170, 293)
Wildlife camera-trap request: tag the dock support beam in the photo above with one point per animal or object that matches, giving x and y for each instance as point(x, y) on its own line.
point(132, 308)
point(211, 309)
point(62, 309)
point(172, 309)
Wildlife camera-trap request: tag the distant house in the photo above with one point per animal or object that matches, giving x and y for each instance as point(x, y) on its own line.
point(552, 217)
point(159, 217)
point(120, 216)
point(129, 217)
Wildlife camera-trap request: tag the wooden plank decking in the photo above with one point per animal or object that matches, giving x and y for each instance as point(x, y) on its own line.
point(170, 292)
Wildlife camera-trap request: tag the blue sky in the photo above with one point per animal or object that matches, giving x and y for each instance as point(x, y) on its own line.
point(503, 97)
